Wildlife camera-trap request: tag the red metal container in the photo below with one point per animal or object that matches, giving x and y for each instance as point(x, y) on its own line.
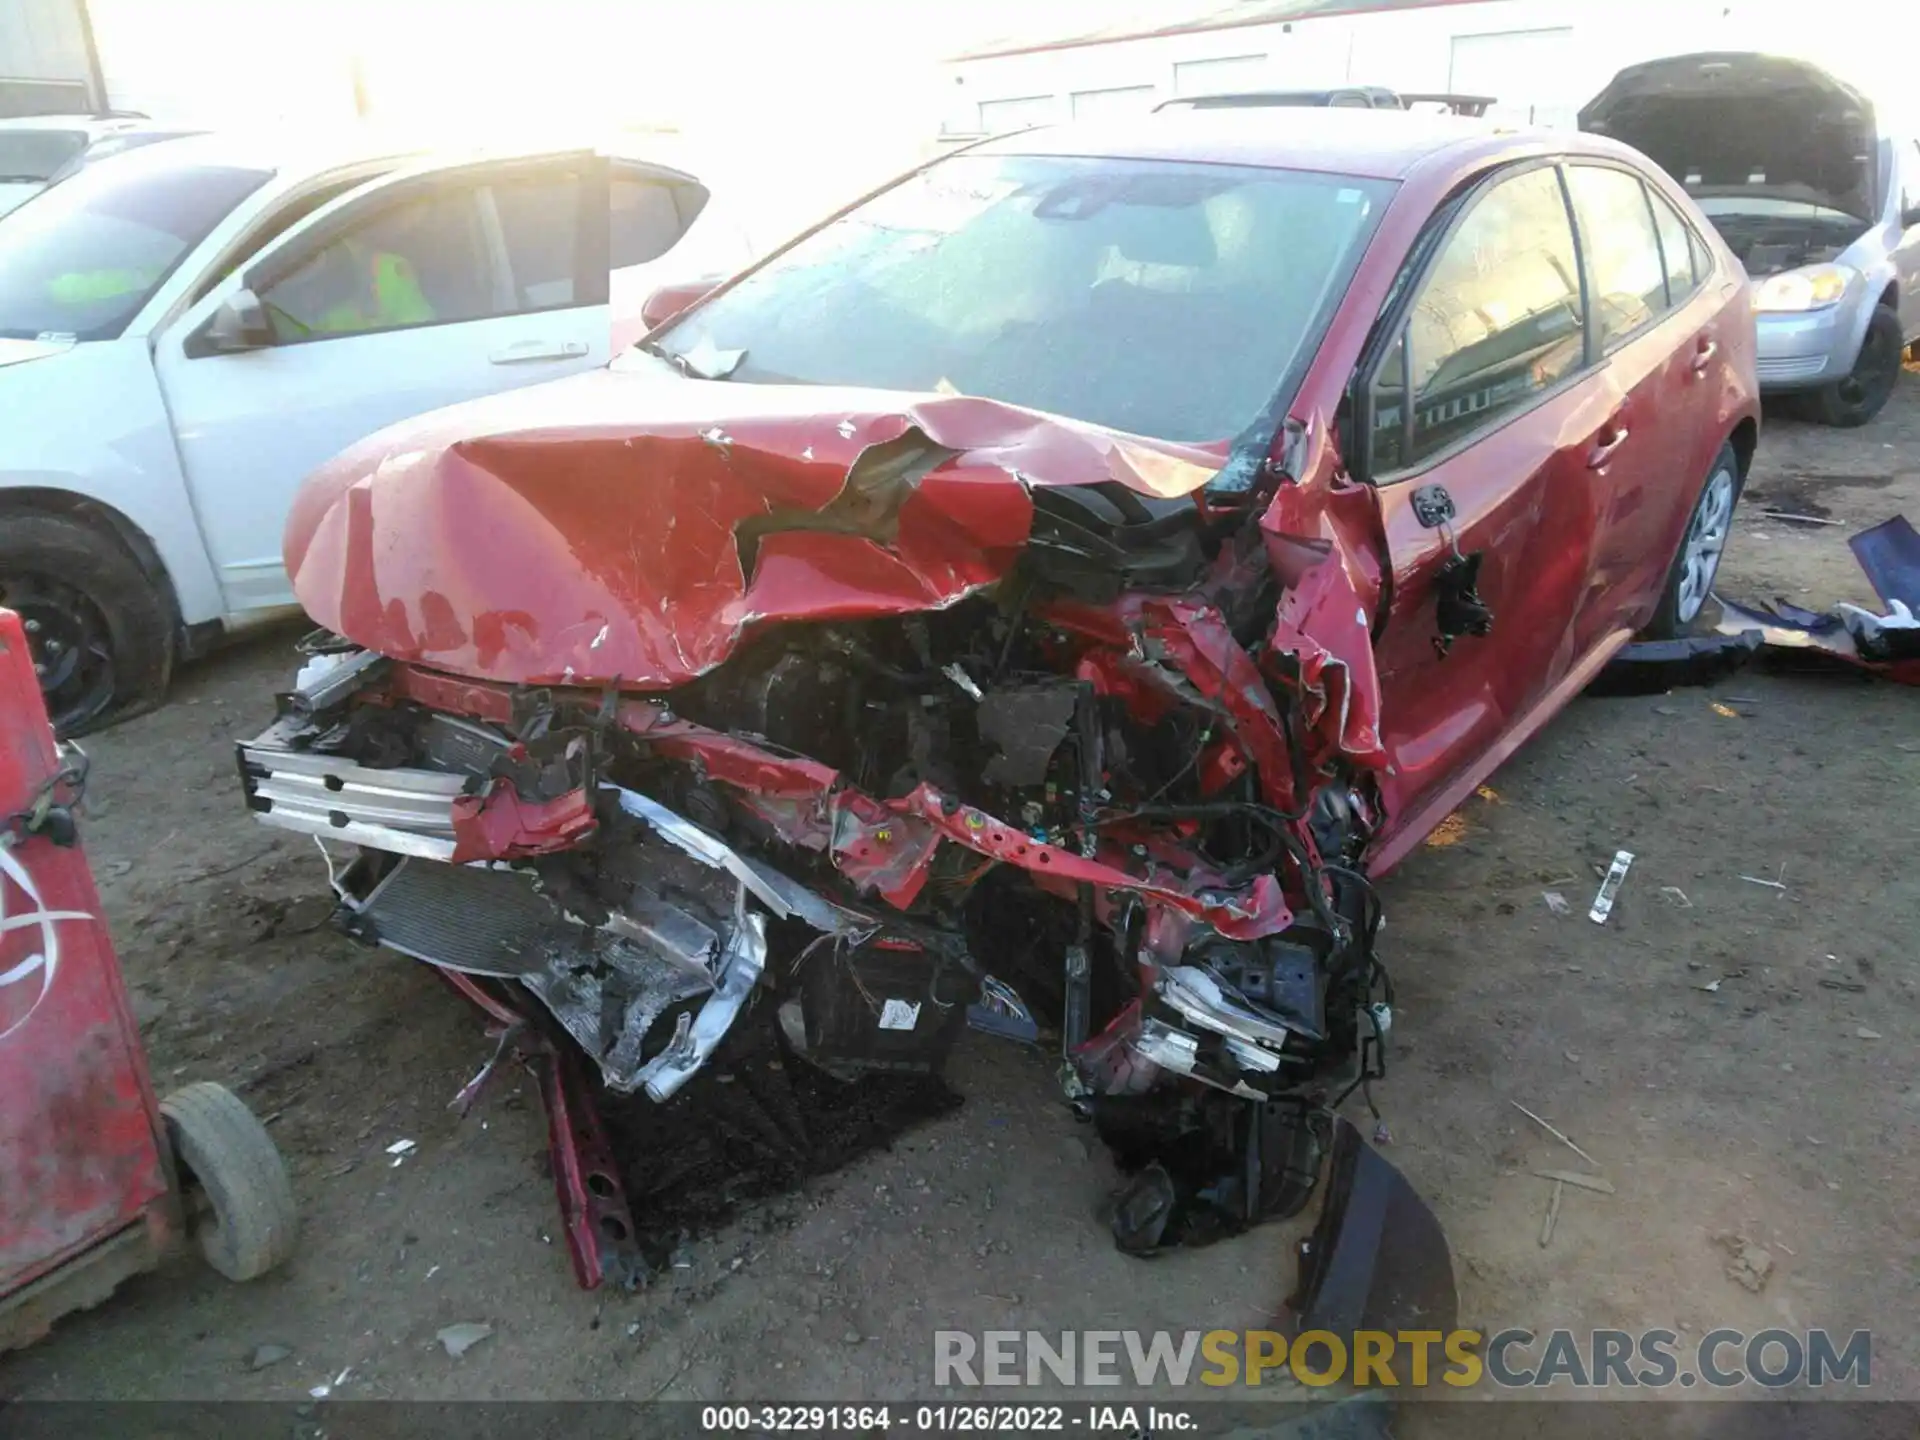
point(90, 1191)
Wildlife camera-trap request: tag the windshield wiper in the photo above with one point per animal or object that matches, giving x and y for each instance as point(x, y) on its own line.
point(703, 362)
point(672, 357)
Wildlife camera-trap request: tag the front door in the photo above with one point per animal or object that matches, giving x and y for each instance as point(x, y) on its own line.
point(412, 293)
point(1484, 409)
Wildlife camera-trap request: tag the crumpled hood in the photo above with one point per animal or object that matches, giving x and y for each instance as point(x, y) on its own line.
point(1746, 123)
point(627, 526)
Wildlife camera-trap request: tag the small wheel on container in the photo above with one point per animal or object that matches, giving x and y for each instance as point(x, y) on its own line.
point(228, 1154)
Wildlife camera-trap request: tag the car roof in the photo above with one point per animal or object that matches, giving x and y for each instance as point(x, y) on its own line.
point(1372, 144)
point(293, 158)
point(95, 127)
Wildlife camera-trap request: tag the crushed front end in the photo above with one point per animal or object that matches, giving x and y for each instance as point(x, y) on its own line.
point(1100, 790)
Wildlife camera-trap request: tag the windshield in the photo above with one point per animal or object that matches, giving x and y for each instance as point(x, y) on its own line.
point(84, 256)
point(1160, 298)
point(38, 155)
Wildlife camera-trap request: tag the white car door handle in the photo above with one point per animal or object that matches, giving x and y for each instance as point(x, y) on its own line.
point(521, 351)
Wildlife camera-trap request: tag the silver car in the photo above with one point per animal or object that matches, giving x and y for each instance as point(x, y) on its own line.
point(1821, 206)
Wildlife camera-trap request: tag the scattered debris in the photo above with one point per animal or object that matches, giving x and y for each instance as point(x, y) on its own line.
point(1675, 896)
point(458, 1339)
point(1573, 1177)
point(265, 1355)
point(1727, 711)
point(1793, 519)
point(401, 1147)
point(1887, 645)
point(1865, 1034)
point(1712, 987)
point(1653, 667)
point(327, 1387)
point(1851, 987)
point(1756, 880)
point(1610, 887)
point(1750, 1265)
point(1558, 1135)
point(1450, 831)
point(1556, 902)
point(1553, 1213)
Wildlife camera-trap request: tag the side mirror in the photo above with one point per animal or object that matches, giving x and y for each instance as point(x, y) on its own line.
point(239, 324)
point(669, 300)
point(1910, 217)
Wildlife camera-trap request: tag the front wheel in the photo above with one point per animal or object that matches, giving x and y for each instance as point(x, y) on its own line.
point(1690, 578)
point(1864, 392)
point(100, 633)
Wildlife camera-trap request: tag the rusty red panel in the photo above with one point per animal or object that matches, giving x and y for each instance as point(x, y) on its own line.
point(79, 1144)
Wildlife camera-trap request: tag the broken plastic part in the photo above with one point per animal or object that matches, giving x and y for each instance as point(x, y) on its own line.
point(1377, 1258)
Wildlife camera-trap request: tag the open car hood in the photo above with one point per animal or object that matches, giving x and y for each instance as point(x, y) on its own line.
point(626, 527)
point(1733, 123)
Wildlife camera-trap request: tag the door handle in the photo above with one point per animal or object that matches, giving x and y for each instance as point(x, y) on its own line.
point(1598, 457)
point(521, 351)
point(1703, 357)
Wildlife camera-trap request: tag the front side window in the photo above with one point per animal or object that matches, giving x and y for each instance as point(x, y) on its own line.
point(1628, 277)
point(1496, 321)
point(1157, 297)
point(86, 255)
point(422, 261)
point(540, 221)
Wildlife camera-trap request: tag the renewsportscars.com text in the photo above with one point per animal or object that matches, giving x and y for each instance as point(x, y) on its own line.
point(1509, 1359)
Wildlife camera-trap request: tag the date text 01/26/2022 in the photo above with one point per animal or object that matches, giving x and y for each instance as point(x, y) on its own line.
point(934, 1419)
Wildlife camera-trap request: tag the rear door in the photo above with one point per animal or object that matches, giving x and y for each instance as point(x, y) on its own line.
point(414, 292)
point(1483, 399)
point(1659, 338)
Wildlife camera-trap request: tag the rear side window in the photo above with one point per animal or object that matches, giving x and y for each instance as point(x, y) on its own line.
point(1496, 321)
point(647, 219)
point(1676, 249)
point(1628, 278)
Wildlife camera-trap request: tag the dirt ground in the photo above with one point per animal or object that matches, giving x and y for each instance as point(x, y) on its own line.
point(1739, 1059)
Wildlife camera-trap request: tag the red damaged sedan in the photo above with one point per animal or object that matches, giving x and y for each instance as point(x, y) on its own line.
point(1047, 594)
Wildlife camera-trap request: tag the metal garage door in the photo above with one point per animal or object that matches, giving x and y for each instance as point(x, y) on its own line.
point(43, 58)
point(218, 62)
point(1527, 71)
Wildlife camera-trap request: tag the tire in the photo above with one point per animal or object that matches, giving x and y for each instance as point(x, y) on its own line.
point(1876, 371)
point(1697, 560)
point(230, 1156)
point(102, 634)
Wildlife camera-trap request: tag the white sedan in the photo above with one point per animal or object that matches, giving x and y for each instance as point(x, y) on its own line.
point(187, 330)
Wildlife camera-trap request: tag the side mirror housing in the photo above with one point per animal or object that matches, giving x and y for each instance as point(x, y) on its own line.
point(669, 300)
point(239, 324)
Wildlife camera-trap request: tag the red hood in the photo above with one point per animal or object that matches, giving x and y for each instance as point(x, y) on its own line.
point(593, 530)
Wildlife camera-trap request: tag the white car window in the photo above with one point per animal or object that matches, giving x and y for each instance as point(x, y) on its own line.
point(418, 261)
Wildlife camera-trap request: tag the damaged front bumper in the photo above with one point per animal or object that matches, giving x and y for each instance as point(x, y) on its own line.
point(649, 880)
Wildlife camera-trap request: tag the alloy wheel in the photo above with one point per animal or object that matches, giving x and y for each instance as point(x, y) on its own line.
point(1706, 539)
